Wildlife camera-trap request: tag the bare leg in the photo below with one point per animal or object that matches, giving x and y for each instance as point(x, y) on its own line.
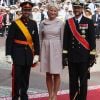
point(49, 83)
point(56, 86)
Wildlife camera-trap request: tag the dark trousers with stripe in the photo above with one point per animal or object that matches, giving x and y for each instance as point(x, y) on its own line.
point(20, 82)
point(78, 75)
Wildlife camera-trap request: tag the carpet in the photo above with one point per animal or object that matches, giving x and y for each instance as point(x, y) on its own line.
point(93, 94)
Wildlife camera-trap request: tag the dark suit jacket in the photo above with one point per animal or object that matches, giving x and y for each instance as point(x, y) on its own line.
point(22, 54)
point(97, 28)
point(10, 18)
point(76, 51)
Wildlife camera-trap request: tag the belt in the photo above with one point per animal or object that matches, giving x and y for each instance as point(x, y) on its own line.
point(22, 42)
point(30, 44)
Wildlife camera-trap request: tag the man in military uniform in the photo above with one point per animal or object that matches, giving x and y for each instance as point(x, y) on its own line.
point(96, 20)
point(79, 51)
point(22, 49)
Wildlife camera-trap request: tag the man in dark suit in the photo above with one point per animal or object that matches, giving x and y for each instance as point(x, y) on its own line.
point(7, 19)
point(79, 51)
point(96, 20)
point(22, 49)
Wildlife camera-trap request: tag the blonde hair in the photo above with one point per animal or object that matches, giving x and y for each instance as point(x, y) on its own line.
point(50, 5)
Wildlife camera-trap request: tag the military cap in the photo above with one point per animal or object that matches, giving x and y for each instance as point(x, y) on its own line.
point(26, 5)
point(77, 3)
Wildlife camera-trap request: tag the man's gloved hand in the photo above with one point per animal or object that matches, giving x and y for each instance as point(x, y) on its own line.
point(36, 59)
point(65, 59)
point(92, 60)
point(9, 59)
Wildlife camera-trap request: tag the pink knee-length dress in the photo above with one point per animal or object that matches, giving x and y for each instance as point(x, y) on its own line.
point(51, 41)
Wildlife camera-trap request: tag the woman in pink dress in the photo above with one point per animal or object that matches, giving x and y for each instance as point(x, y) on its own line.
point(51, 35)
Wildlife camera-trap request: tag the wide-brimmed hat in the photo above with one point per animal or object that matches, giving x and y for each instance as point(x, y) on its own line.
point(89, 10)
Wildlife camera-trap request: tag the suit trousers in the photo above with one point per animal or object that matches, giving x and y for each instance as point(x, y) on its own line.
point(20, 82)
point(78, 75)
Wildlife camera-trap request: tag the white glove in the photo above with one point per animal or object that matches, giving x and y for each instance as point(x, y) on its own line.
point(36, 59)
point(9, 59)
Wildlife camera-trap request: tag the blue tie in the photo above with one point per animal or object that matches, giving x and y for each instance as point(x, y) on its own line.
point(76, 21)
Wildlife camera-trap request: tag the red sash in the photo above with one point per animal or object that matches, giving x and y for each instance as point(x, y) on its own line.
point(77, 34)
